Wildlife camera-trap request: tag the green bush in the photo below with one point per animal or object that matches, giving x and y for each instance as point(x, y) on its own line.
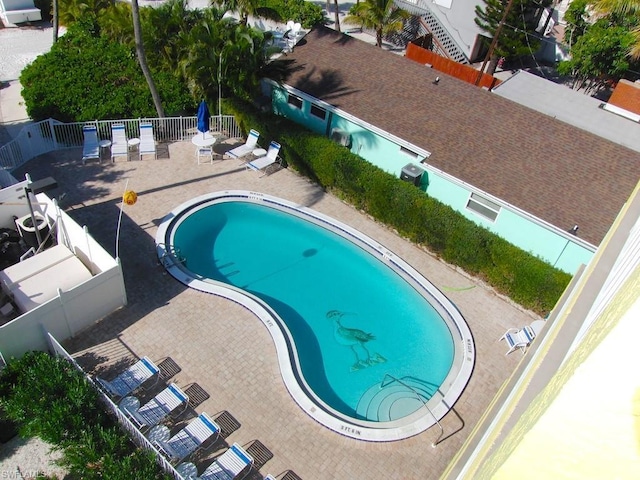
point(85, 77)
point(308, 14)
point(524, 278)
point(51, 399)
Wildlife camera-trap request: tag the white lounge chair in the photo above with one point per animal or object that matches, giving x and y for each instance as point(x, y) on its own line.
point(155, 410)
point(189, 439)
point(248, 147)
point(229, 465)
point(263, 164)
point(131, 379)
point(522, 338)
point(119, 145)
point(147, 141)
point(90, 146)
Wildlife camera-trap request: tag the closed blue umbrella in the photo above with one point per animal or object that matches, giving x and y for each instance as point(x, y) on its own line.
point(203, 118)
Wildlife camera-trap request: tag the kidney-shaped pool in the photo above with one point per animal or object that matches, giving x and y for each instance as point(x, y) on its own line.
point(366, 345)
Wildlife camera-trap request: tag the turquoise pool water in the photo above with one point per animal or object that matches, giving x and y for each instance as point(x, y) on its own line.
point(357, 325)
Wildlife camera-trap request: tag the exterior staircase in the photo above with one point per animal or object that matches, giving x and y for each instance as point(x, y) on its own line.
point(428, 23)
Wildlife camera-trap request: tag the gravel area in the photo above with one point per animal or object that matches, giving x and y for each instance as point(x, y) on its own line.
point(24, 458)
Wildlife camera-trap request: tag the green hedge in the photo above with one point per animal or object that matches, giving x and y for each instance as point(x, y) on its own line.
point(523, 277)
point(47, 397)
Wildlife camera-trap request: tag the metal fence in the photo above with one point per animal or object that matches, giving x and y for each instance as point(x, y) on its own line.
point(49, 135)
point(138, 438)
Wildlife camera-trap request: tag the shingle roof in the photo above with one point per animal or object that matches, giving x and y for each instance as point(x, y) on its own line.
point(548, 168)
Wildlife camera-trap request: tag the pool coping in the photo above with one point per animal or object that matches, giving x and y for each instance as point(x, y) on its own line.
point(419, 421)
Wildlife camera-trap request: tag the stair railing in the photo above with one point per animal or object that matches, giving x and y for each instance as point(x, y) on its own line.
point(404, 384)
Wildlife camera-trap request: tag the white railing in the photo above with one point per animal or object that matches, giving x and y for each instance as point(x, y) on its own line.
point(49, 135)
point(135, 434)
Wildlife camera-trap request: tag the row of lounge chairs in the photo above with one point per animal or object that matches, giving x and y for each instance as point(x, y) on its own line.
point(120, 145)
point(119, 142)
point(149, 417)
point(262, 163)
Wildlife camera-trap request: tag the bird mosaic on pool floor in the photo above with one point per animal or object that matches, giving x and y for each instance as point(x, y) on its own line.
point(355, 339)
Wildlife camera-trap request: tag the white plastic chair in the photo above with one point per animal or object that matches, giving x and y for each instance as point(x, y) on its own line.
point(205, 153)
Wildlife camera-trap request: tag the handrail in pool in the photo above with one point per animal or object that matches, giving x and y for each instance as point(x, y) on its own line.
point(395, 379)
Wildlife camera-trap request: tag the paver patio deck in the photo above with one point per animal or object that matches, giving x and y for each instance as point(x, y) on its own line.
point(223, 347)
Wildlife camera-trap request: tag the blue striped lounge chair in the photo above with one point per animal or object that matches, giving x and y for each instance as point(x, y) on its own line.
point(119, 145)
point(522, 338)
point(248, 147)
point(147, 141)
point(264, 163)
point(230, 465)
point(131, 379)
point(189, 439)
point(155, 410)
point(90, 146)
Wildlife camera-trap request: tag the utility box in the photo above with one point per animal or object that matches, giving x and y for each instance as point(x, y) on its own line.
point(341, 137)
point(411, 173)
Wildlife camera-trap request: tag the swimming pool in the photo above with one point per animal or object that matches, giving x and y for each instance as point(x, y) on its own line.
point(366, 345)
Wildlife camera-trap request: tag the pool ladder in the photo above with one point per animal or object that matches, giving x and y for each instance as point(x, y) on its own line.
point(171, 256)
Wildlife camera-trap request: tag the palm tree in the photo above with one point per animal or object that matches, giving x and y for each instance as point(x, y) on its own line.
point(623, 7)
point(142, 58)
point(55, 21)
point(115, 23)
point(243, 7)
point(380, 15)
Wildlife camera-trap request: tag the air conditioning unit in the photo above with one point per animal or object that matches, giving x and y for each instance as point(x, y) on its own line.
point(341, 137)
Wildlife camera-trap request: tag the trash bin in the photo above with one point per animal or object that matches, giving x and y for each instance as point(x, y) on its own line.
point(411, 173)
point(28, 230)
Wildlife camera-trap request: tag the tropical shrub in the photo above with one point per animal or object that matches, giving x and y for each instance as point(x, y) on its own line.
point(308, 14)
point(87, 77)
point(47, 397)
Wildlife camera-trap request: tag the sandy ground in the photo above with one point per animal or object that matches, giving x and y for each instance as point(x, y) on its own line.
point(20, 458)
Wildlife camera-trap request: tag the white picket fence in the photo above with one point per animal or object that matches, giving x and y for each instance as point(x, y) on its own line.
point(49, 135)
point(138, 438)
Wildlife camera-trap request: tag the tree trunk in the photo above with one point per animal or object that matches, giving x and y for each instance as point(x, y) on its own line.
point(493, 64)
point(337, 17)
point(55, 21)
point(379, 37)
point(142, 58)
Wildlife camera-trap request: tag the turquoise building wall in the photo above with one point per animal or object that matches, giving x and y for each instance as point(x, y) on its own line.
point(558, 248)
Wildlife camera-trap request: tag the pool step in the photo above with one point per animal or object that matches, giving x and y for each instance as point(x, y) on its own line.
point(384, 403)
